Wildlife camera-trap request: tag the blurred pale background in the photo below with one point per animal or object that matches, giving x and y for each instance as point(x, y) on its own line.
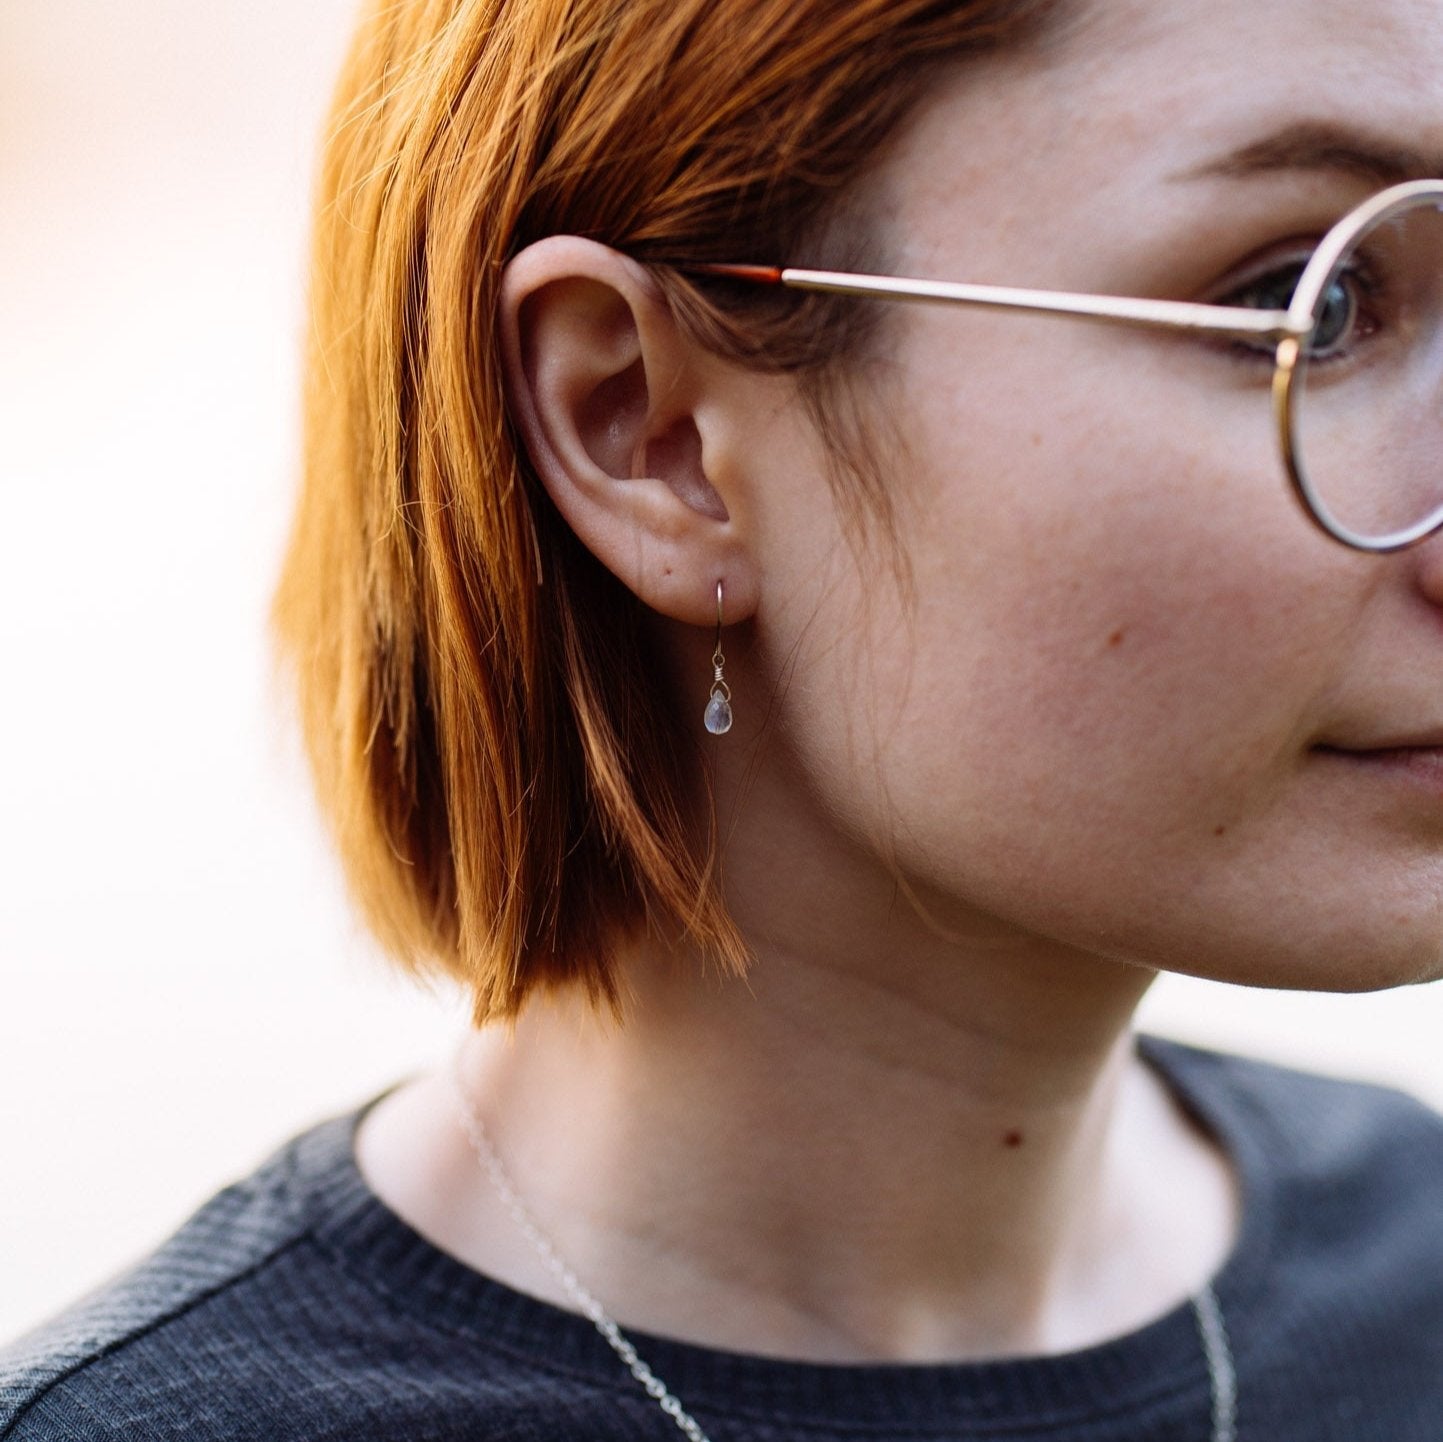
point(181, 986)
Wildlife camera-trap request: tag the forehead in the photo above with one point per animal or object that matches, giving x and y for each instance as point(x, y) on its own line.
point(1226, 31)
point(1213, 68)
point(1138, 90)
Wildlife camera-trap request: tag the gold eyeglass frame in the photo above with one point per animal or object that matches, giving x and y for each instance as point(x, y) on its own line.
point(1290, 328)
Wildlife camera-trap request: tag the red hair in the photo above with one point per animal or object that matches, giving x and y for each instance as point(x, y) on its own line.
point(508, 796)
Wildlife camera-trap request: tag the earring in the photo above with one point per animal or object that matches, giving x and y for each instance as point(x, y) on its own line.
point(718, 716)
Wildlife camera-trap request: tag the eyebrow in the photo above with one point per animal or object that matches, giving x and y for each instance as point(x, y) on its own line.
point(1313, 145)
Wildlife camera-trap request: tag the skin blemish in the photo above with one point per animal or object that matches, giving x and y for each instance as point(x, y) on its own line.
point(1116, 638)
point(1012, 1139)
point(1219, 830)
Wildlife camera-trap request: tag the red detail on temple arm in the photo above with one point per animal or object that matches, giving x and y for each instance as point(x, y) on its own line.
point(757, 274)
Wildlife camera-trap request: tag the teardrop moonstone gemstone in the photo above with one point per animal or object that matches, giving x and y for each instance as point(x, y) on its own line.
point(718, 717)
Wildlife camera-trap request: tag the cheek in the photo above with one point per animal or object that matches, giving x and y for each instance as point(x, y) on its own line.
point(1098, 722)
point(1138, 674)
point(1117, 605)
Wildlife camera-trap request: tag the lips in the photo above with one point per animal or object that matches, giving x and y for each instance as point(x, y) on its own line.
point(1420, 741)
point(1418, 762)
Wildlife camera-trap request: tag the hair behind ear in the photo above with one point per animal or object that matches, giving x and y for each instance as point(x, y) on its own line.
point(474, 688)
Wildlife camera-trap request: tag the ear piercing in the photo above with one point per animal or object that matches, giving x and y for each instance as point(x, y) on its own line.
point(718, 715)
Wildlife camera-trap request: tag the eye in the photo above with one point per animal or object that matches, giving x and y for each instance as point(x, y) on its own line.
point(1342, 317)
point(1272, 290)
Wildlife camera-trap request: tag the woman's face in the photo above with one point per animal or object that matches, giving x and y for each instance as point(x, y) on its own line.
point(1119, 713)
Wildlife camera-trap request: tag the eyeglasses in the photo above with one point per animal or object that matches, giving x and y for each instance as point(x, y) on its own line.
point(1356, 349)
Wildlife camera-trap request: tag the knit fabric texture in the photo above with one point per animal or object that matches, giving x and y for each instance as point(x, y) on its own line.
point(295, 1306)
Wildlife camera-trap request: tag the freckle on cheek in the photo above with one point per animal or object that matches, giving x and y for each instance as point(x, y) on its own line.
point(1219, 830)
point(1116, 638)
point(1012, 1139)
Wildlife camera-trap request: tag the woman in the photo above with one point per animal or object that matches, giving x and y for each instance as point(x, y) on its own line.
point(806, 723)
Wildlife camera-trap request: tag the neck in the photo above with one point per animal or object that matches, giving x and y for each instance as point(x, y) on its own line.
point(844, 1163)
point(909, 1134)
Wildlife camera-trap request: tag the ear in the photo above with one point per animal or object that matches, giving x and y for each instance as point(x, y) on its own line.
point(616, 408)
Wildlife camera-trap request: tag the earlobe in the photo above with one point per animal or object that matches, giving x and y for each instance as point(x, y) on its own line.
point(609, 401)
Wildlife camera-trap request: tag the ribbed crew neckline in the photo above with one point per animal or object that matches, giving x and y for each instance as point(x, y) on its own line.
point(1145, 1369)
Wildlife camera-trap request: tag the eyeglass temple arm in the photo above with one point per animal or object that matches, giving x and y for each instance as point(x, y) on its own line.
point(1121, 310)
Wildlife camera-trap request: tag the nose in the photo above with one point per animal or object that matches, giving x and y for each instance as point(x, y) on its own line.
point(1427, 557)
point(1417, 442)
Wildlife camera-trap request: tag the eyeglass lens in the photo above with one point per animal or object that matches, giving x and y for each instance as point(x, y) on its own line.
point(1368, 399)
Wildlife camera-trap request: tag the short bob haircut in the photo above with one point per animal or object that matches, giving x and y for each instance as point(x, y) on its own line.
point(500, 771)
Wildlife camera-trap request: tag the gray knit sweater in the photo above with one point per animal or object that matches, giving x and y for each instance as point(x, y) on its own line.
point(295, 1306)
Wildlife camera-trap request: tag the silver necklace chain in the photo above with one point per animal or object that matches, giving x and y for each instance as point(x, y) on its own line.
point(1212, 1332)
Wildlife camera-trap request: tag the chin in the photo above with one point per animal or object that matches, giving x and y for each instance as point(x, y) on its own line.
point(1339, 963)
point(1333, 922)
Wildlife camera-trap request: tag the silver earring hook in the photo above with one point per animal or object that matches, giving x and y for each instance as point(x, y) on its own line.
point(718, 715)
